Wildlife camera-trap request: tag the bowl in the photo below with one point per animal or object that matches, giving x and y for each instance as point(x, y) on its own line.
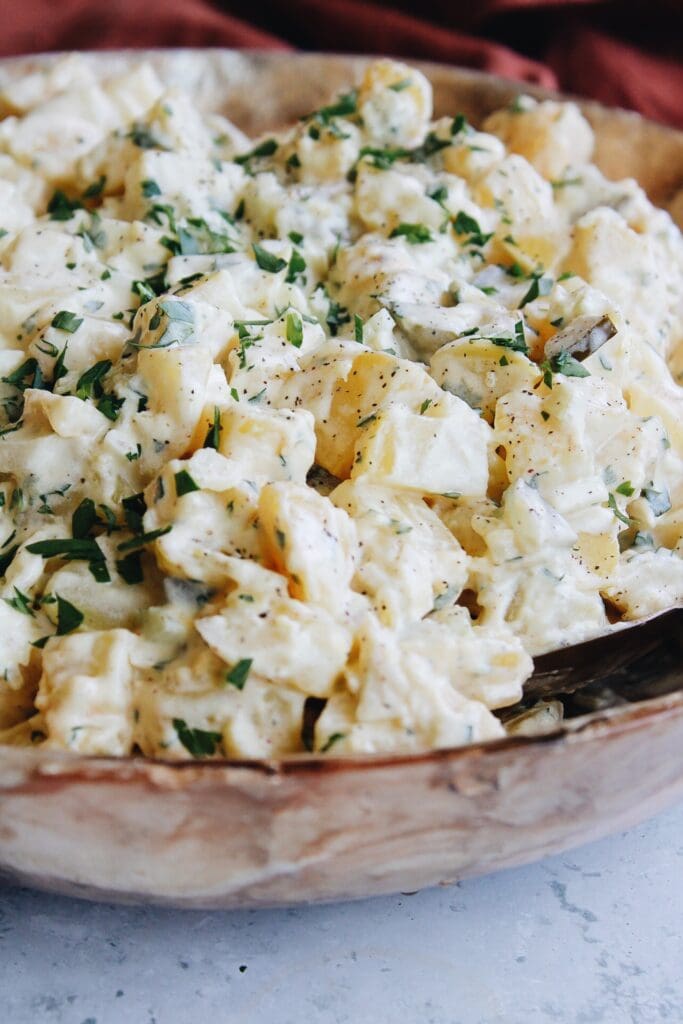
point(306, 828)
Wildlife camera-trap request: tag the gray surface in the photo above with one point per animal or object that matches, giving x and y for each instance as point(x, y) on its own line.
point(590, 936)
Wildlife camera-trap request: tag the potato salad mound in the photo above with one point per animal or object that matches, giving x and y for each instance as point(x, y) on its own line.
point(311, 442)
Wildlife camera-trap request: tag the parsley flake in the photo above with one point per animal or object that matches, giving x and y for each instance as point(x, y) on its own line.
point(198, 742)
point(294, 329)
point(213, 435)
point(184, 484)
point(66, 321)
point(69, 617)
point(414, 234)
point(267, 260)
point(238, 674)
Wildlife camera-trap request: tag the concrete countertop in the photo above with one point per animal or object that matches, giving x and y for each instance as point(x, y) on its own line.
point(594, 936)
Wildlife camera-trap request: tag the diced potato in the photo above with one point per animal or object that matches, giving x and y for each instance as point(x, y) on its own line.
point(480, 372)
point(630, 269)
point(268, 444)
point(429, 454)
point(311, 542)
point(552, 136)
point(408, 562)
point(288, 642)
point(530, 232)
point(86, 692)
point(176, 382)
point(405, 701)
point(17, 632)
point(646, 581)
point(375, 381)
point(395, 104)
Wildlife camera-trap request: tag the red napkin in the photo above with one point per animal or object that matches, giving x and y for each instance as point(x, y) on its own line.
point(622, 53)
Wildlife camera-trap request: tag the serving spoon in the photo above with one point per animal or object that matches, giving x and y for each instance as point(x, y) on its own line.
point(634, 661)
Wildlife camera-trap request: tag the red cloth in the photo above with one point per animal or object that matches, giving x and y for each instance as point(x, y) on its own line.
point(619, 52)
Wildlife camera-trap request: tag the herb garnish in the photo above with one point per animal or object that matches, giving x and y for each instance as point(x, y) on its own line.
point(238, 674)
point(199, 742)
point(415, 234)
point(268, 261)
point(144, 538)
point(297, 265)
point(564, 363)
point(463, 224)
point(61, 207)
point(66, 321)
point(69, 617)
point(539, 286)
point(213, 434)
point(294, 329)
point(184, 484)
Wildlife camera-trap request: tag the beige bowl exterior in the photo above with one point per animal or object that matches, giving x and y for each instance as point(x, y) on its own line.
point(248, 834)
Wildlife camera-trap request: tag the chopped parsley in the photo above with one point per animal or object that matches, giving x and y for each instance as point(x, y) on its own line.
point(196, 237)
point(463, 224)
point(184, 484)
point(95, 188)
point(213, 434)
point(66, 321)
point(296, 267)
point(294, 329)
point(337, 315)
point(239, 673)
point(612, 504)
point(141, 136)
point(143, 290)
point(266, 148)
point(331, 740)
point(415, 234)
point(565, 183)
point(71, 549)
point(69, 617)
point(110, 406)
point(439, 194)
point(539, 286)
point(134, 508)
point(149, 188)
point(515, 344)
point(7, 558)
point(20, 602)
point(74, 549)
point(267, 260)
point(61, 207)
point(143, 539)
point(198, 742)
point(346, 105)
point(129, 568)
point(83, 519)
point(564, 363)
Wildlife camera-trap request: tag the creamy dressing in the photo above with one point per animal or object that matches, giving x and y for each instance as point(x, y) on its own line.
point(284, 461)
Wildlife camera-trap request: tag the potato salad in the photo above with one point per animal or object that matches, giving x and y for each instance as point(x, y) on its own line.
point(311, 442)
